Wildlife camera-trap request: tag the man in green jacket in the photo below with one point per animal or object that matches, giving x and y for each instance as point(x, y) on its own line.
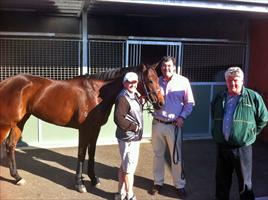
point(239, 114)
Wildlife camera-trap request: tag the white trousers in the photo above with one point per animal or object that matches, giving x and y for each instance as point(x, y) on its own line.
point(129, 153)
point(163, 135)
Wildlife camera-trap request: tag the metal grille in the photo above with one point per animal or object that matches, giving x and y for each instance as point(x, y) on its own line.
point(134, 58)
point(173, 50)
point(106, 55)
point(52, 58)
point(207, 62)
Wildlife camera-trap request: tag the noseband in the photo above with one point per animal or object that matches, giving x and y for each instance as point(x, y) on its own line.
point(147, 92)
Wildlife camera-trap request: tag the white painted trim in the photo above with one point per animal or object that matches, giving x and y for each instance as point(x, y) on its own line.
point(199, 4)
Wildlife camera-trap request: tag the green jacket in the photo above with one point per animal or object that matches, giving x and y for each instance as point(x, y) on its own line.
point(250, 117)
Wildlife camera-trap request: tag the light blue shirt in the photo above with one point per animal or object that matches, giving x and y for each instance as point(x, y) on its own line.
point(229, 108)
point(179, 98)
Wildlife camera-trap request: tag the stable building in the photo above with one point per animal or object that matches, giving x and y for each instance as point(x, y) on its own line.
point(61, 39)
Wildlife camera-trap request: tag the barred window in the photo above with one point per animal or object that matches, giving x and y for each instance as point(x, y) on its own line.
point(207, 62)
point(105, 55)
point(52, 58)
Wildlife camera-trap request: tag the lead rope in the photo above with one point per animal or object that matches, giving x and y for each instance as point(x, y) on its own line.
point(148, 108)
point(176, 151)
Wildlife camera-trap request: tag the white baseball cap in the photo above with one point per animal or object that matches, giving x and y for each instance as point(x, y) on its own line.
point(130, 77)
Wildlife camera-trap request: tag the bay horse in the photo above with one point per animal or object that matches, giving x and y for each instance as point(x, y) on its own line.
point(83, 102)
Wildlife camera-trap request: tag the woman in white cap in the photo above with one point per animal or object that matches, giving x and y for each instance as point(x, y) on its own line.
point(129, 120)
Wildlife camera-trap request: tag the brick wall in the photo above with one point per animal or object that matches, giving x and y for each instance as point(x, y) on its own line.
point(258, 67)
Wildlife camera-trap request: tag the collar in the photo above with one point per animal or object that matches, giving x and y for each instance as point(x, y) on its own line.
point(129, 94)
point(243, 93)
point(165, 81)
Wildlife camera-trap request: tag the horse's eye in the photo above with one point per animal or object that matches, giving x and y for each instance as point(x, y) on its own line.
point(151, 82)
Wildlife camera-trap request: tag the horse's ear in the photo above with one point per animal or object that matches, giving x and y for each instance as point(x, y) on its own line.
point(157, 67)
point(143, 67)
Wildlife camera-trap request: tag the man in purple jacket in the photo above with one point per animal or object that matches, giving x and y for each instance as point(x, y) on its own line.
point(167, 124)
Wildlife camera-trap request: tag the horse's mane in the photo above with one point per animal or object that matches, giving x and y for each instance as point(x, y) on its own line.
point(111, 74)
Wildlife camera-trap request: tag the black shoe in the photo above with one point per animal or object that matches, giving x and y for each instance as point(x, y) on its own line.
point(181, 192)
point(118, 196)
point(155, 189)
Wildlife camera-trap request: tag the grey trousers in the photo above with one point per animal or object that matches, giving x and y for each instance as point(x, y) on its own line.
point(162, 137)
point(230, 159)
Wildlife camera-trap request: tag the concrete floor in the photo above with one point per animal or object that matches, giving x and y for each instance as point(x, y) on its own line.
point(50, 173)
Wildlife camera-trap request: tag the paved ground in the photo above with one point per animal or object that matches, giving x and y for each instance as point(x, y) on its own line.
point(50, 173)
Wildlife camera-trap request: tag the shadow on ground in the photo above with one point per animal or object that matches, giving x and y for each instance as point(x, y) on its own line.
point(50, 173)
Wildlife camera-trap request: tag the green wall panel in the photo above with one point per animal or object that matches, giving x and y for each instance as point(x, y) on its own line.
point(30, 132)
point(52, 134)
point(198, 122)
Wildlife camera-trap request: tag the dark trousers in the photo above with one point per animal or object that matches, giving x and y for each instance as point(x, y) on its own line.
point(230, 159)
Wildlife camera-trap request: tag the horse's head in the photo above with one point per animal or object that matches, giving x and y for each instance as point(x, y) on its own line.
point(149, 87)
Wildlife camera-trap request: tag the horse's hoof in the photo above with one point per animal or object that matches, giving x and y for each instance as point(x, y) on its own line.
point(95, 182)
point(21, 182)
point(81, 188)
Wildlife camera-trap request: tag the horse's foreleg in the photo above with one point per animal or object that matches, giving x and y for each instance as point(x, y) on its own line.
point(86, 140)
point(79, 183)
point(11, 143)
point(91, 157)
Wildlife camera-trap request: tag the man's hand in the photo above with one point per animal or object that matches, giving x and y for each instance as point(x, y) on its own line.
point(179, 122)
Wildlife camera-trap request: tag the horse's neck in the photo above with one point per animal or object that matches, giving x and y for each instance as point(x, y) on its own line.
point(110, 90)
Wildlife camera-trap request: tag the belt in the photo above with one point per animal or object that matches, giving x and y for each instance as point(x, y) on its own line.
point(165, 122)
